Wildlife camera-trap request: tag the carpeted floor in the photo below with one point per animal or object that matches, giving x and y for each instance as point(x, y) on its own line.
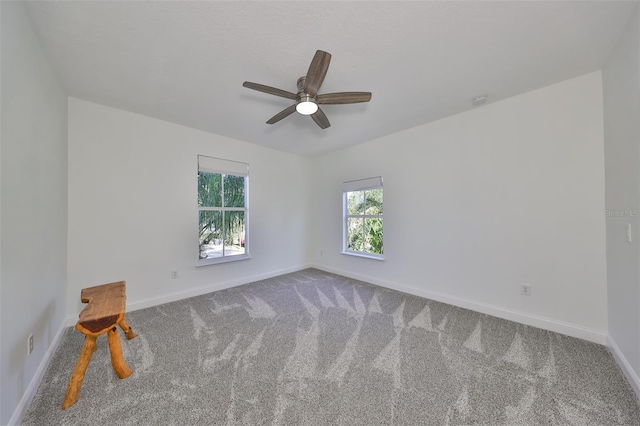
point(312, 348)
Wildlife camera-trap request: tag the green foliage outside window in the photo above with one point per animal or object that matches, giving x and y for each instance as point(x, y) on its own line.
point(225, 223)
point(364, 221)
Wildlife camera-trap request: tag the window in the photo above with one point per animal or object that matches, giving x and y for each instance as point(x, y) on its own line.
point(222, 210)
point(363, 223)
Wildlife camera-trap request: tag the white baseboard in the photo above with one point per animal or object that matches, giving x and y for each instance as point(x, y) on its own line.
point(172, 297)
point(626, 368)
point(572, 330)
point(31, 390)
point(596, 336)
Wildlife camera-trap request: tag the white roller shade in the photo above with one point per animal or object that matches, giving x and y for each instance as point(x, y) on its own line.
point(225, 167)
point(362, 184)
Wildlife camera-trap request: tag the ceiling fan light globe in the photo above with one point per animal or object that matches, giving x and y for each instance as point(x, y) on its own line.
point(306, 107)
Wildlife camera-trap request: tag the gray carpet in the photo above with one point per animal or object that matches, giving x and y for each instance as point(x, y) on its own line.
point(312, 348)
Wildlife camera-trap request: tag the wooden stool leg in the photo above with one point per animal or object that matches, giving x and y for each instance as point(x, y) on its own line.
point(117, 360)
point(128, 331)
point(88, 348)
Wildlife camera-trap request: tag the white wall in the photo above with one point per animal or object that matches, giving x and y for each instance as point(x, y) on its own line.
point(133, 207)
point(621, 87)
point(33, 180)
point(477, 203)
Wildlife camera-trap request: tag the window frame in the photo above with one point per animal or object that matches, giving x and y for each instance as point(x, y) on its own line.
point(360, 185)
point(224, 167)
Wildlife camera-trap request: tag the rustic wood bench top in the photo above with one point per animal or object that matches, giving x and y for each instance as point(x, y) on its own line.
point(106, 306)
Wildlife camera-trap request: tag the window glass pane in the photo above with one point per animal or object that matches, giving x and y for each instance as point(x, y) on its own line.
point(234, 241)
point(209, 189)
point(373, 201)
point(211, 235)
point(233, 191)
point(355, 234)
point(373, 236)
point(355, 202)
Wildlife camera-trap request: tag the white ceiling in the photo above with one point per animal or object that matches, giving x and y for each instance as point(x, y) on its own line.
point(185, 62)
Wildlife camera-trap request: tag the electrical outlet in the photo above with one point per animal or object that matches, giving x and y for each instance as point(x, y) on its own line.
point(174, 275)
point(525, 289)
point(29, 344)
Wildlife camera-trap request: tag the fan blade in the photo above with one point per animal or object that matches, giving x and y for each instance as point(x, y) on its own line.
point(282, 114)
point(270, 90)
point(317, 71)
point(321, 119)
point(344, 98)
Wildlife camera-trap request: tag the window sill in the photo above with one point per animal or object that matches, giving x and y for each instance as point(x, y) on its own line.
point(365, 255)
point(218, 260)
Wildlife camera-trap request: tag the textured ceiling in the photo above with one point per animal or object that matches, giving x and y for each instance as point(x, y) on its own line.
point(185, 61)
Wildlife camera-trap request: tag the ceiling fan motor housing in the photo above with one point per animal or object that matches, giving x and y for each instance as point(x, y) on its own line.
point(305, 103)
point(303, 97)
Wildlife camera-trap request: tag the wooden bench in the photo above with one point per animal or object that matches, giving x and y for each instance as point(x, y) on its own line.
point(105, 309)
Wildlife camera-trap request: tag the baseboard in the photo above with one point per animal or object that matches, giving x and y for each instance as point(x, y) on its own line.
point(596, 336)
point(31, 390)
point(626, 368)
point(572, 330)
point(172, 297)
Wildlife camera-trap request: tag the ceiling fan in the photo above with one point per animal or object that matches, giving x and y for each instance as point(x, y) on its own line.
point(307, 98)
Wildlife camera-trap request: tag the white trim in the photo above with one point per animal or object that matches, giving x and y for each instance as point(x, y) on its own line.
point(573, 330)
point(34, 384)
point(225, 167)
point(362, 184)
point(624, 365)
point(363, 254)
point(172, 297)
point(222, 259)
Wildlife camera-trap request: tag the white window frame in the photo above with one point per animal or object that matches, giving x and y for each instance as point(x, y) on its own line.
point(355, 186)
point(234, 168)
